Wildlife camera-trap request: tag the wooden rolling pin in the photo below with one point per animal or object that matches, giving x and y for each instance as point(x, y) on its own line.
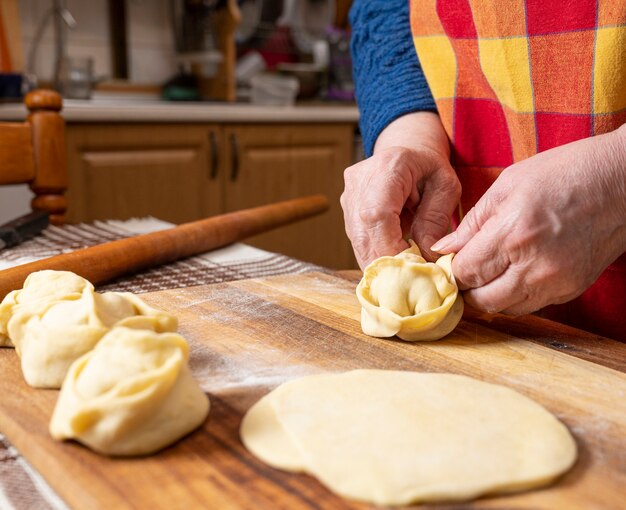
point(108, 261)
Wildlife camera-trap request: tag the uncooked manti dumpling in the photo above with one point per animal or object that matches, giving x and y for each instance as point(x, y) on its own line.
point(409, 297)
point(39, 289)
point(57, 317)
point(132, 395)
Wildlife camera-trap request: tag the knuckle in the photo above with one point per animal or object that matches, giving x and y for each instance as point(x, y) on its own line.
point(533, 298)
point(554, 282)
point(451, 187)
point(457, 188)
point(372, 215)
point(471, 280)
point(396, 160)
point(467, 278)
point(348, 175)
point(547, 271)
point(343, 200)
point(396, 154)
point(471, 220)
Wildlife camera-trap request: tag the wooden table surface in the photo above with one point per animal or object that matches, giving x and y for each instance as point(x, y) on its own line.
point(249, 336)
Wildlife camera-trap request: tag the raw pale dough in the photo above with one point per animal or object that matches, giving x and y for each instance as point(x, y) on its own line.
point(39, 289)
point(409, 297)
point(57, 317)
point(394, 438)
point(132, 395)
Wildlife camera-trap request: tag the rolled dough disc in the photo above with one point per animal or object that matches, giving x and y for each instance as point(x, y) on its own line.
point(394, 438)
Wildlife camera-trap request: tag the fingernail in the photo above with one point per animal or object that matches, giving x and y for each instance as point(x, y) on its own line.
point(443, 244)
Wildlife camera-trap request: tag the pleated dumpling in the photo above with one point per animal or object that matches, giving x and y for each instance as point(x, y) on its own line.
point(132, 395)
point(57, 317)
point(39, 290)
point(409, 297)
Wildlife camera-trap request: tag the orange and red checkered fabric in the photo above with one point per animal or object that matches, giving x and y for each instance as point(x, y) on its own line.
point(515, 77)
point(512, 78)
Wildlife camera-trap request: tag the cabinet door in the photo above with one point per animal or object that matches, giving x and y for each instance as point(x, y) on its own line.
point(119, 171)
point(268, 163)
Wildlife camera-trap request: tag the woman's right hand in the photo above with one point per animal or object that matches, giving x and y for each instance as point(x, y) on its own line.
point(406, 188)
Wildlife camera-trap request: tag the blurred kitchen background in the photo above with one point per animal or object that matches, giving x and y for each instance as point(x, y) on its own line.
point(181, 109)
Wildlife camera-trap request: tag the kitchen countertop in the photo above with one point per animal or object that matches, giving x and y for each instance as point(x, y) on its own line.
point(129, 110)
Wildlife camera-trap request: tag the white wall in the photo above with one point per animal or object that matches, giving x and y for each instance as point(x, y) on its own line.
point(89, 38)
point(14, 201)
point(150, 40)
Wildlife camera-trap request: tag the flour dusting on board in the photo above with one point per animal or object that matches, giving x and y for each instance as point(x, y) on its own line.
point(248, 338)
point(318, 283)
point(241, 307)
point(239, 340)
point(219, 372)
point(232, 299)
point(242, 373)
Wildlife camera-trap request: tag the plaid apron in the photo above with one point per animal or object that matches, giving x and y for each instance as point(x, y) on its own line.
point(512, 78)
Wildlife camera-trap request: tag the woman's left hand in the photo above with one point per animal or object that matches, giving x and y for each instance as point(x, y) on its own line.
point(546, 229)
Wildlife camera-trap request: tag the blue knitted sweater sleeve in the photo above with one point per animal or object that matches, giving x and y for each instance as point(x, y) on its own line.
point(388, 79)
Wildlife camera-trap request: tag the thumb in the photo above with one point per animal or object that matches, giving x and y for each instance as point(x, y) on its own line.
point(434, 212)
point(470, 225)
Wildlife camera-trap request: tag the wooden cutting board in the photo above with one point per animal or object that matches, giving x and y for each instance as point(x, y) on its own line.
point(249, 336)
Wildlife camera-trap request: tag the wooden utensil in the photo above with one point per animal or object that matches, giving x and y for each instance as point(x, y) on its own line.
point(248, 336)
point(111, 260)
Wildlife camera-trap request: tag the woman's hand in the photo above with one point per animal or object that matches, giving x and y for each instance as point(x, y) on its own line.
point(407, 186)
point(546, 229)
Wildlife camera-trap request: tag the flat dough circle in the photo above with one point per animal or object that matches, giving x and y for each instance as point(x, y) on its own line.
point(394, 438)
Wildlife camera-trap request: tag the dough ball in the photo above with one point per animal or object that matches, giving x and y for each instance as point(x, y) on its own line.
point(132, 395)
point(394, 438)
point(409, 297)
point(57, 317)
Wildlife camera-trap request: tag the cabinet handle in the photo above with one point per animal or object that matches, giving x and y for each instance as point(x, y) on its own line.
point(215, 156)
point(234, 147)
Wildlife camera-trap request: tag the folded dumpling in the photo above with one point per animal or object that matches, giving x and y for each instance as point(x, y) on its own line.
point(57, 317)
point(39, 290)
point(409, 297)
point(132, 395)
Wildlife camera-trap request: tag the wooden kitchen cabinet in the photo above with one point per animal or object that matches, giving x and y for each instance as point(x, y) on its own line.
point(183, 172)
point(268, 163)
point(120, 171)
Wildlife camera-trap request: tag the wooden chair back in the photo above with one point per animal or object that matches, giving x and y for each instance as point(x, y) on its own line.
point(33, 152)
